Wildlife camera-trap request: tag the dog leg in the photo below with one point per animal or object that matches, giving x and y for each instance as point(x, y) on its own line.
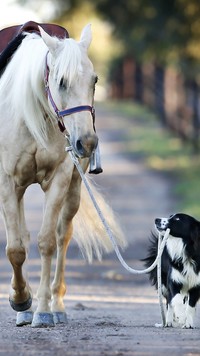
point(169, 316)
point(179, 309)
point(190, 313)
point(190, 310)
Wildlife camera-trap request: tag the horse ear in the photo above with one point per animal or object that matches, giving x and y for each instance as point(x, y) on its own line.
point(51, 42)
point(86, 36)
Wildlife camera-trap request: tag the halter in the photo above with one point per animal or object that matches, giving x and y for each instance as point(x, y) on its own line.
point(61, 113)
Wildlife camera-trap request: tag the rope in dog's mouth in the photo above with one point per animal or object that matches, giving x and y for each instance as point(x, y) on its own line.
point(161, 240)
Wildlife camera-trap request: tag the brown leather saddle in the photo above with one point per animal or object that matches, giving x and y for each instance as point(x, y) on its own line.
point(8, 34)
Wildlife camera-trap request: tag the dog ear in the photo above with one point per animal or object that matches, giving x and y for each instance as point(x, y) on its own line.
point(195, 237)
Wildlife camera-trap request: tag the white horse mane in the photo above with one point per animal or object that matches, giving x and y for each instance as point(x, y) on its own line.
point(22, 84)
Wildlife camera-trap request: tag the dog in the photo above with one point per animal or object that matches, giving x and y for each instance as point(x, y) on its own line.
point(180, 267)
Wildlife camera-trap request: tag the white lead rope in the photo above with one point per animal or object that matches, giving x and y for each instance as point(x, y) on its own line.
point(161, 242)
point(159, 279)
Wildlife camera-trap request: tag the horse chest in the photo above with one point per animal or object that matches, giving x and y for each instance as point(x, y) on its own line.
point(36, 168)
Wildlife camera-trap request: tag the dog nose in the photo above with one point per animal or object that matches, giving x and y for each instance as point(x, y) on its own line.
point(157, 221)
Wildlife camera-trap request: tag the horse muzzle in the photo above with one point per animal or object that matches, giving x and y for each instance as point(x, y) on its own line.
point(87, 146)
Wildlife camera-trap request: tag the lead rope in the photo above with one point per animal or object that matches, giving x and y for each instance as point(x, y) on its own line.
point(161, 242)
point(159, 281)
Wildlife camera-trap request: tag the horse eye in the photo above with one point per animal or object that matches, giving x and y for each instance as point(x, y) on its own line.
point(63, 84)
point(96, 80)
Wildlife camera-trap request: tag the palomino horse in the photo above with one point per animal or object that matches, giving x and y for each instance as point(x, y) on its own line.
point(48, 80)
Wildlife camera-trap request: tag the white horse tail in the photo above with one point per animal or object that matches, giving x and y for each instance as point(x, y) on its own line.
point(89, 232)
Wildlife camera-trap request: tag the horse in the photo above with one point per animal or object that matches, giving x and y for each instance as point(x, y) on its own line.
point(46, 102)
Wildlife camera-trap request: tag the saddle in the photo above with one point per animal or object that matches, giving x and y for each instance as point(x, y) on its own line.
point(10, 33)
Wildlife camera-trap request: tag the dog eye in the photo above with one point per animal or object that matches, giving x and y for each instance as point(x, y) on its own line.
point(177, 219)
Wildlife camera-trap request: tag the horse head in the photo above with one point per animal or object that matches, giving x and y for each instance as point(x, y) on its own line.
point(71, 85)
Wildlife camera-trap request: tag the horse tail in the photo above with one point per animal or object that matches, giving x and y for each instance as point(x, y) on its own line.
point(89, 232)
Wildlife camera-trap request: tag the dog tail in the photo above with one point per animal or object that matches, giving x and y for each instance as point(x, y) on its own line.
point(165, 264)
point(151, 256)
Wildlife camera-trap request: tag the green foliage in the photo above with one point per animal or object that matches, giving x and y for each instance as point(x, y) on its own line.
point(165, 31)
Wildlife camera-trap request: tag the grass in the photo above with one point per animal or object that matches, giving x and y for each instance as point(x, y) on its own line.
point(163, 151)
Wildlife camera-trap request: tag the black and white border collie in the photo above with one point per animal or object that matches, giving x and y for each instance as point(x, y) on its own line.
point(180, 267)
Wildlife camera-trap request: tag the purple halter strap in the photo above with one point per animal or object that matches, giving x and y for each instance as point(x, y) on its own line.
point(61, 113)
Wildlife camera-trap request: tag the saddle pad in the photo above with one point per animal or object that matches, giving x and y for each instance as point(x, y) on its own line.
point(9, 33)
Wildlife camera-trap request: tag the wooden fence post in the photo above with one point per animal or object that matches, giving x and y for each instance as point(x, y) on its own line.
point(160, 92)
point(195, 116)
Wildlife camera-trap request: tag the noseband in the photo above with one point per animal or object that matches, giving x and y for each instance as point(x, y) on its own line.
point(61, 113)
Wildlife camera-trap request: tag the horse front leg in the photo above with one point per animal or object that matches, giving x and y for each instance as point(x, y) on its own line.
point(59, 285)
point(24, 317)
point(16, 248)
point(64, 234)
point(43, 316)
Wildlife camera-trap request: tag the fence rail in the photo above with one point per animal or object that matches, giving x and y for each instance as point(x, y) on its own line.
point(166, 91)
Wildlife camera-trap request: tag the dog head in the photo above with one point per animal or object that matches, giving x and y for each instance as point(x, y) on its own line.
point(180, 225)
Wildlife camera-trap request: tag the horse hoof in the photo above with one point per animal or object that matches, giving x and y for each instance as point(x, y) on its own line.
point(19, 307)
point(42, 320)
point(24, 318)
point(60, 317)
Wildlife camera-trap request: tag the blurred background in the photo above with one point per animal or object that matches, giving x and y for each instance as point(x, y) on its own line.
point(147, 55)
point(143, 50)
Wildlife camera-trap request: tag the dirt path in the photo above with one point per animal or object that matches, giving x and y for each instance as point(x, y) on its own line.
point(110, 312)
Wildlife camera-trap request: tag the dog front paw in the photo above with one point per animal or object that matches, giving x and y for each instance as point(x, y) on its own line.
point(188, 325)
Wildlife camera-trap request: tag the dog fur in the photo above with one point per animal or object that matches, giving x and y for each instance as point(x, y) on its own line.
point(180, 267)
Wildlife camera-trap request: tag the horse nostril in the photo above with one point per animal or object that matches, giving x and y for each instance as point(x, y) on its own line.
point(79, 147)
point(86, 145)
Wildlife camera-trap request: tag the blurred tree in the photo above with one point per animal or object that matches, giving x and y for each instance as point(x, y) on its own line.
point(163, 31)
point(103, 45)
point(74, 15)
